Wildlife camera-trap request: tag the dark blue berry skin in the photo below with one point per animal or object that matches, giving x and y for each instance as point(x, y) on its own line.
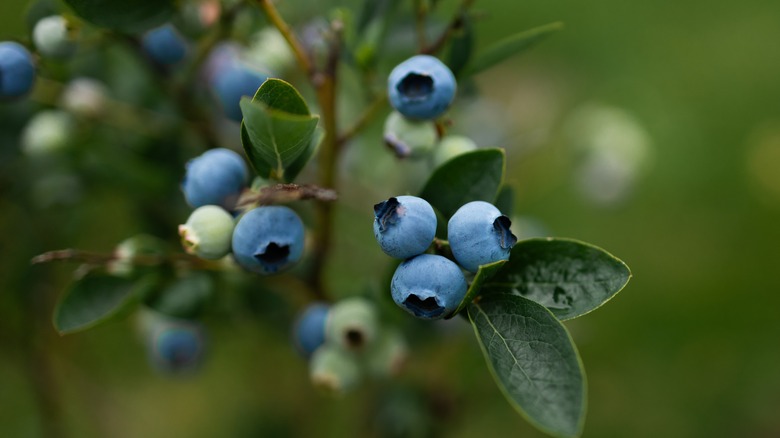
point(234, 81)
point(17, 72)
point(177, 348)
point(268, 239)
point(404, 226)
point(479, 234)
point(309, 330)
point(428, 286)
point(421, 87)
point(216, 177)
point(165, 45)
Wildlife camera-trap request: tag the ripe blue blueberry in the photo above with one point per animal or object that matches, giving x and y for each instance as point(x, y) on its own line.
point(177, 347)
point(268, 239)
point(421, 87)
point(404, 226)
point(479, 234)
point(428, 286)
point(165, 45)
point(17, 72)
point(309, 330)
point(234, 81)
point(216, 177)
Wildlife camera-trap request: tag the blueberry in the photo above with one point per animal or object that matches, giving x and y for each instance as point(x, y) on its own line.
point(17, 72)
point(409, 138)
point(479, 234)
point(334, 370)
point(268, 239)
point(428, 286)
point(309, 329)
point(47, 132)
point(177, 347)
point(234, 81)
point(215, 178)
point(165, 45)
point(404, 226)
point(53, 38)
point(208, 232)
point(352, 324)
point(389, 354)
point(421, 87)
point(85, 97)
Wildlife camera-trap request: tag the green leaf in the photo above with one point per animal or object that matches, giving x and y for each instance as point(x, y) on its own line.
point(533, 360)
point(130, 16)
point(98, 298)
point(473, 176)
point(185, 297)
point(484, 273)
point(297, 166)
point(509, 46)
point(277, 129)
point(461, 46)
point(569, 277)
point(281, 96)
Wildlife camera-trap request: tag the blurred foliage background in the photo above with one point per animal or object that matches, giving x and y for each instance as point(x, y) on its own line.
point(688, 349)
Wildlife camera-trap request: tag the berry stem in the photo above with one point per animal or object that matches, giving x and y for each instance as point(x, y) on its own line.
point(98, 258)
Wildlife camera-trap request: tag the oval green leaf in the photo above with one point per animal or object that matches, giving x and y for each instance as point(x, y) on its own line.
point(97, 298)
point(533, 360)
point(473, 176)
point(274, 140)
point(569, 277)
point(129, 16)
point(509, 46)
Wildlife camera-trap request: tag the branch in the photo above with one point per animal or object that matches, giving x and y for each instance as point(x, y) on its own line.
point(304, 60)
point(363, 120)
point(284, 193)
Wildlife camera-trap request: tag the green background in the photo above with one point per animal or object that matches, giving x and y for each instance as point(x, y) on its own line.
point(688, 349)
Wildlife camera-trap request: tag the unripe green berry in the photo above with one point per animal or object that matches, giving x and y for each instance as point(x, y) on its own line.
point(352, 324)
point(53, 38)
point(450, 147)
point(85, 97)
point(388, 355)
point(47, 132)
point(334, 370)
point(208, 232)
point(409, 138)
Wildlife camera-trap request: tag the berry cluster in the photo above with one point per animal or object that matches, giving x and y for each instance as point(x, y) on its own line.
point(345, 342)
point(432, 286)
point(265, 240)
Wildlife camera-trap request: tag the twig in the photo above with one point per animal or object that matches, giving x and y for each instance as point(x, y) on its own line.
point(363, 120)
point(102, 259)
point(284, 193)
point(304, 60)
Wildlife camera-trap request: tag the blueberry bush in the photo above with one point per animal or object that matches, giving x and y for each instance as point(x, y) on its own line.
point(258, 118)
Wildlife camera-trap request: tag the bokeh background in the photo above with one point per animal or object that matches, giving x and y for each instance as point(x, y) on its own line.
point(679, 101)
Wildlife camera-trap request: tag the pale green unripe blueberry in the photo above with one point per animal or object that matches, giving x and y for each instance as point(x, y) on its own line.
point(450, 147)
point(85, 97)
point(53, 38)
point(388, 355)
point(334, 370)
point(208, 232)
point(409, 138)
point(47, 132)
point(352, 324)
